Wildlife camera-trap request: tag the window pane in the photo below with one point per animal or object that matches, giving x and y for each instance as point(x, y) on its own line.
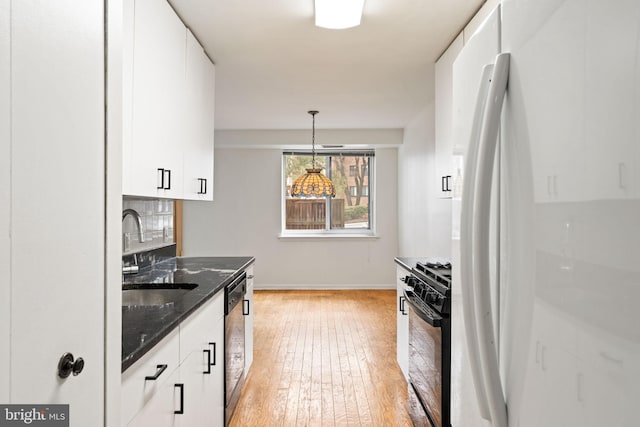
point(303, 214)
point(350, 208)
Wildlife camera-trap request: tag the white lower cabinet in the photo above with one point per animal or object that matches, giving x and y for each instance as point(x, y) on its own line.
point(159, 411)
point(159, 363)
point(248, 311)
point(202, 365)
point(190, 390)
point(403, 323)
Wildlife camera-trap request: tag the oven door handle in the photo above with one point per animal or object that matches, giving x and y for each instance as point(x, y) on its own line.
point(433, 318)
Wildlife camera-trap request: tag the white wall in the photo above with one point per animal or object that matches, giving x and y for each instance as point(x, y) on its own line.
point(424, 221)
point(245, 219)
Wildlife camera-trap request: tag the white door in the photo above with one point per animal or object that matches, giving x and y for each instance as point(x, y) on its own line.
point(5, 195)
point(57, 203)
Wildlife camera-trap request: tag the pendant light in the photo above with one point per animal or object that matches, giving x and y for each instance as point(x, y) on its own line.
point(313, 184)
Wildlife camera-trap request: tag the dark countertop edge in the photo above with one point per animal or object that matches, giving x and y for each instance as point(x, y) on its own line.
point(137, 355)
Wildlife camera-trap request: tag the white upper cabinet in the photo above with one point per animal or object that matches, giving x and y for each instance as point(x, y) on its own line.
point(199, 106)
point(168, 96)
point(612, 102)
point(445, 175)
point(158, 99)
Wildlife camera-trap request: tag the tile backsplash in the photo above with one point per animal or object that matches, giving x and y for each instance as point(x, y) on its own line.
point(157, 222)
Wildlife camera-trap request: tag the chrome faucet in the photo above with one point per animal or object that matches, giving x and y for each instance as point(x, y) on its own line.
point(135, 216)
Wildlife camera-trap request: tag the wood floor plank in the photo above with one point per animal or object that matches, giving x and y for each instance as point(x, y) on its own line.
point(324, 358)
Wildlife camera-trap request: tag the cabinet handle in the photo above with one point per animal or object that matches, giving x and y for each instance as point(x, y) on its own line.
point(159, 371)
point(250, 276)
point(203, 186)
point(213, 345)
point(168, 187)
point(442, 185)
point(448, 180)
point(401, 301)
point(181, 387)
point(161, 186)
point(208, 353)
point(246, 307)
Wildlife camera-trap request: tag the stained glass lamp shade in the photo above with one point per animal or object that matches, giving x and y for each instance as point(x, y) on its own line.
point(313, 184)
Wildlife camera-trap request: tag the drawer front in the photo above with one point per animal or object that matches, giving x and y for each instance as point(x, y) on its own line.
point(199, 329)
point(136, 389)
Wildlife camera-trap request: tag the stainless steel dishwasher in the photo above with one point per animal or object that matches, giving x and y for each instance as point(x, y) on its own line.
point(233, 343)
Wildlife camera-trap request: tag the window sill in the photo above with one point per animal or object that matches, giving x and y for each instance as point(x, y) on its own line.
point(320, 236)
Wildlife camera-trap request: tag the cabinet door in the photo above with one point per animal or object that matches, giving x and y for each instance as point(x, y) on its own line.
point(57, 203)
point(249, 310)
point(159, 410)
point(158, 100)
point(612, 102)
point(202, 364)
point(136, 389)
point(196, 332)
point(199, 100)
point(5, 197)
point(203, 377)
point(444, 127)
point(403, 323)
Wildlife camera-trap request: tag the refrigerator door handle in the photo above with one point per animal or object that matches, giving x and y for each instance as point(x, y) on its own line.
point(466, 231)
point(480, 241)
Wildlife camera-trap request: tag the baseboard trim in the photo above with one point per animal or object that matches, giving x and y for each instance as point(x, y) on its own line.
point(323, 287)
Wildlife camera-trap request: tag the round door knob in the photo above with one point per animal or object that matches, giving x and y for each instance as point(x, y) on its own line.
point(67, 365)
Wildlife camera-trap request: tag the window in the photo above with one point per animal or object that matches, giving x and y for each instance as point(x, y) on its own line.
point(353, 190)
point(349, 212)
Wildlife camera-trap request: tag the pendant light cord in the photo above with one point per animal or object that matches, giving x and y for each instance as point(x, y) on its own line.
point(313, 138)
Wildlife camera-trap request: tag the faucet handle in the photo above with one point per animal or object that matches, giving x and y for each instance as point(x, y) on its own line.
point(130, 269)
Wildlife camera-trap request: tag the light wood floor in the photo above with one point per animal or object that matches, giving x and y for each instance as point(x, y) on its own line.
point(324, 358)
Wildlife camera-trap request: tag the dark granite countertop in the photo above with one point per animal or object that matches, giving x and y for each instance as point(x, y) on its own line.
point(145, 326)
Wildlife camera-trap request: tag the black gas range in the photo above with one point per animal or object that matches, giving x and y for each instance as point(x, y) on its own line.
point(429, 299)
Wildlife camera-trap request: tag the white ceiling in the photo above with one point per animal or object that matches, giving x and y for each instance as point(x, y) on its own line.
point(273, 64)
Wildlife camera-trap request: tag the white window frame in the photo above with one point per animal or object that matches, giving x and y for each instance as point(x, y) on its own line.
point(354, 233)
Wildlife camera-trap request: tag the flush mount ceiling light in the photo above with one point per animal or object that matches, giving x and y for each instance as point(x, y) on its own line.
point(313, 184)
point(338, 14)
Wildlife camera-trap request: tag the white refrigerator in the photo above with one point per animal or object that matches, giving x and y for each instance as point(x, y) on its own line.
point(546, 235)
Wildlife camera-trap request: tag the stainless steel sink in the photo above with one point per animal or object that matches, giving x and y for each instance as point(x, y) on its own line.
point(154, 294)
